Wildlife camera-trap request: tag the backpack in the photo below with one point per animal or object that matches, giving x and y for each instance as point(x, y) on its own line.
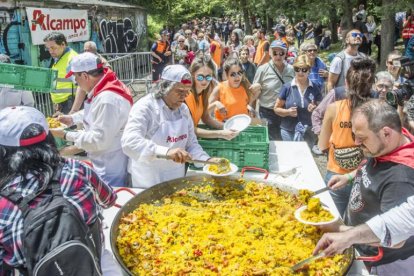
point(56, 240)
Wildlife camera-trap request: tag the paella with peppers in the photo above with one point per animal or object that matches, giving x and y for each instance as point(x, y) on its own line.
point(245, 228)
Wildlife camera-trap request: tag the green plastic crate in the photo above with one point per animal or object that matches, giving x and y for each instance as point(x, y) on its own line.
point(251, 134)
point(29, 78)
point(249, 148)
point(256, 154)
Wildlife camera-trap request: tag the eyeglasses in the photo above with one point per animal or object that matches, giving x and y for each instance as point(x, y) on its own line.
point(279, 53)
point(181, 41)
point(357, 35)
point(312, 50)
point(202, 77)
point(303, 70)
point(188, 34)
point(236, 74)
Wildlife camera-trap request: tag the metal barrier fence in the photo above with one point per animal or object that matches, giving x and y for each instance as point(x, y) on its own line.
point(134, 69)
point(43, 102)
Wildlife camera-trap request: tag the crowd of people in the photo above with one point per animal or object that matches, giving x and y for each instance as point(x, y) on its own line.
point(208, 72)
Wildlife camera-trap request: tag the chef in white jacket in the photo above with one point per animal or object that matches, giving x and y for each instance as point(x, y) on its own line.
point(104, 116)
point(160, 125)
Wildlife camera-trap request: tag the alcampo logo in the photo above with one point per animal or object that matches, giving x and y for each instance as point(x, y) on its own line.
point(46, 23)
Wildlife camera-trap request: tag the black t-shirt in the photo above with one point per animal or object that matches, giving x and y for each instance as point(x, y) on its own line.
point(378, 187)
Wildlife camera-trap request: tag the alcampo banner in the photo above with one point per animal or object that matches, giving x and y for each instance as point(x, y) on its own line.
point(72, 23)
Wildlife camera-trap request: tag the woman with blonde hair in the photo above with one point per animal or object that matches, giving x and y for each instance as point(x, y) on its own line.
point(203, 73)
point(297, 100)
point(233, 96)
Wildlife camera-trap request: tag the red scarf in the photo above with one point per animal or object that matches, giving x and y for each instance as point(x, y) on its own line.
point(402, 155)
point(110, 82)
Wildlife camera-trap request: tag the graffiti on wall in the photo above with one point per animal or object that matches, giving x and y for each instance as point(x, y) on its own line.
point(118, 36)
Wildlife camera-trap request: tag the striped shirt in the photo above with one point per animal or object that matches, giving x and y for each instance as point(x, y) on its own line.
point(80, 185)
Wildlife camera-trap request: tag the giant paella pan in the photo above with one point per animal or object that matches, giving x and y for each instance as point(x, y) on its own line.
point(202, 225)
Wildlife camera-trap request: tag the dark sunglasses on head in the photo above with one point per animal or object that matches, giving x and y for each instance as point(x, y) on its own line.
point(279, 53)
point(236, 74)
point(202, 77)
point(356, 35)
point(303, 70)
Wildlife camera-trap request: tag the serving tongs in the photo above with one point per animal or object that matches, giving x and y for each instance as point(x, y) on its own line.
point(320, 191)
point(306, 261)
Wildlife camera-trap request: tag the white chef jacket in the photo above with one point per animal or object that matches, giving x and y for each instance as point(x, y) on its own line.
point(143, 123)
point(13, 97)
point(108, 114)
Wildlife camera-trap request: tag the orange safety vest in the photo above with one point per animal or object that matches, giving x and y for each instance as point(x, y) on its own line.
point(235, 100)
point(260, 52)
point(217, 53)
point(196, 110)
point(408, 30)
point(341, 136)
point(161, 47)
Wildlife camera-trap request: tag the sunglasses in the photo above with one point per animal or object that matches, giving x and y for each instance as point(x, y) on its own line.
point(303, 70)
point(236, 74)
point(312, 51)
point(357, 35)
point(279, 53)
point(181, 41)
point(202, 77)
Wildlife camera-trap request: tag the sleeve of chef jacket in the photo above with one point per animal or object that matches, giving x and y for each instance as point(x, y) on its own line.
point(106, 114)
point(135, 143)
point(193, 147)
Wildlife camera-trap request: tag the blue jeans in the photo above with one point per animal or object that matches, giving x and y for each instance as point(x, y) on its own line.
point(309, 136)
point(341, 196)
point(273, 122)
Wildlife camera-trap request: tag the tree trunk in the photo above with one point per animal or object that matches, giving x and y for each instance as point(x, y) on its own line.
point(387, 31)
point(246, 18)
point(346, 20)
point(333, 23)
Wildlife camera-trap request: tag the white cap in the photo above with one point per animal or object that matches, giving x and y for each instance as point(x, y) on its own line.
point(177, 73)
point(14, 120)
point(84, 63)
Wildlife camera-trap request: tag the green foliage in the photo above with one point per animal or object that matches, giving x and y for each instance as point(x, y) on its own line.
point(155, 25)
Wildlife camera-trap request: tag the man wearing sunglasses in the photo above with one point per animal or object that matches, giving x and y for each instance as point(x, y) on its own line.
point(341, 62)
point(268, 81)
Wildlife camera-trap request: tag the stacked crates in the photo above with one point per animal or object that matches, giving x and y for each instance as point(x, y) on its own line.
point(249, 148)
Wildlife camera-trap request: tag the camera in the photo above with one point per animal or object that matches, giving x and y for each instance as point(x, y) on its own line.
point(406, 90)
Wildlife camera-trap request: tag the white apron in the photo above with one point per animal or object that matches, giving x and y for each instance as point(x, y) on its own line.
point(111, 165)
point(171, 134)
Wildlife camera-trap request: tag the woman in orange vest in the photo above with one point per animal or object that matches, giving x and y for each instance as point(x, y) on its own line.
point(203, 74)
point(336, 132)
point(233, 96)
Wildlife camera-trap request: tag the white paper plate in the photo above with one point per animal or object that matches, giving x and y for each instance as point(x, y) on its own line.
point(238, 122)
point(233, 169)
point(299, 218)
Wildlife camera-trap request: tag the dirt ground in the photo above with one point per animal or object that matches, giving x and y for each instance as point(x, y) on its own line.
point(321, 161)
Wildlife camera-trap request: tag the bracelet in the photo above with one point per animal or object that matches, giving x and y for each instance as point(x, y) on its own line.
point(350, 178)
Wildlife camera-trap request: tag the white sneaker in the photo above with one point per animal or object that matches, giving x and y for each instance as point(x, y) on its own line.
point(316, 150)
